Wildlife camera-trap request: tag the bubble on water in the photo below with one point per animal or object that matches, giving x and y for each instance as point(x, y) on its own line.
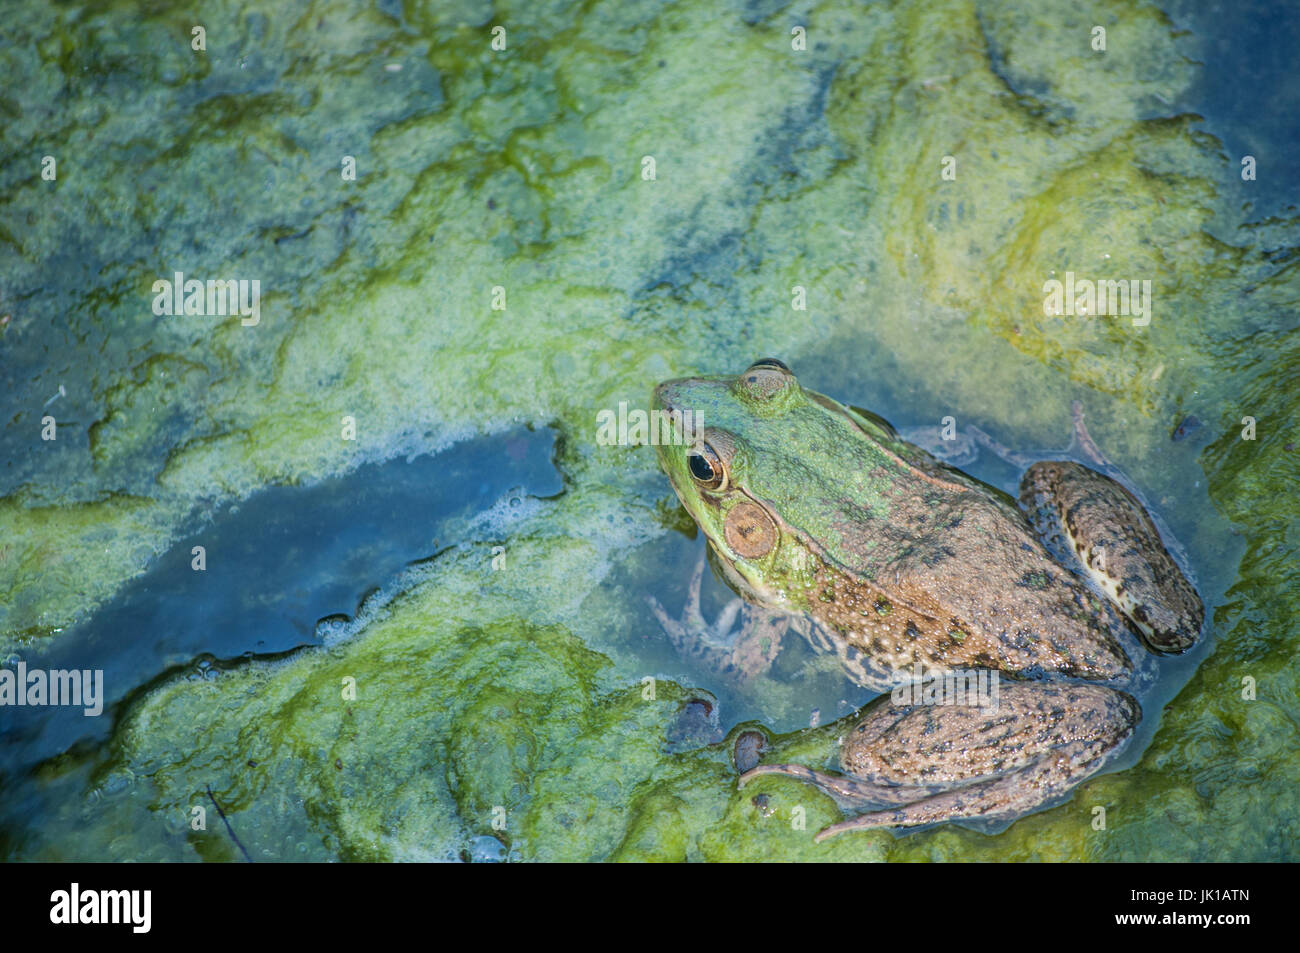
point(487, 850)
point(514, 506)
point(115, 784)
point(332, 628)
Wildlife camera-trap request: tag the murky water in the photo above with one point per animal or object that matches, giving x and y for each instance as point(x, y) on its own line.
point(273, 574)
point(407, 436)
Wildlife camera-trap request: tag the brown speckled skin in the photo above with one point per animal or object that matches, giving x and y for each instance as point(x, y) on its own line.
point(926, 764)
point(978, 594)
point(1114, 537)
point(907, 744)
point(903, 560)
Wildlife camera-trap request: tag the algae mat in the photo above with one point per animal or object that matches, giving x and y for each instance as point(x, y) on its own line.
point(463, 234)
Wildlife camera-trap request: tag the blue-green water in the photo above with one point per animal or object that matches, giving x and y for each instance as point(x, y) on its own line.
point(501, 665)
point(284, 569)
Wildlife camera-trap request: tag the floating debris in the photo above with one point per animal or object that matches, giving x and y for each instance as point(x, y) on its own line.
point(1189, 425)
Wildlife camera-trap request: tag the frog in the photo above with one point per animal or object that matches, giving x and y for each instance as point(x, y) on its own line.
point(911, 570)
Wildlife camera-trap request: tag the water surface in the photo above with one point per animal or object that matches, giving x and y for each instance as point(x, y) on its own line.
point(508, 673)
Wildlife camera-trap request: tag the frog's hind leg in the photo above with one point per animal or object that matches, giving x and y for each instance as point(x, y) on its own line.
point(1097, 527)
point(848, 791)
point(1041, 741)
point(985, 799)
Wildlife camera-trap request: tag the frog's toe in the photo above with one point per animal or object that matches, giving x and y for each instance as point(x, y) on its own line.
point(673, 628)
point(985, 799)
point(797, 771)
point(848, 792)
point(1082, 439)
point(998, 798)
point(1099, 528)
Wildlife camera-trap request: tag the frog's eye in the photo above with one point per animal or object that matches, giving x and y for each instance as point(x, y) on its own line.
point(765, 378)
point(706, 466)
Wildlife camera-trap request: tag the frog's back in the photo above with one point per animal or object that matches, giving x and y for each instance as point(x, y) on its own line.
point(954, 578)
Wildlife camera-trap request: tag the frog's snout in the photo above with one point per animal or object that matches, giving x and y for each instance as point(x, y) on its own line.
point(669, 396)
point(689, 395)
point(665, 399)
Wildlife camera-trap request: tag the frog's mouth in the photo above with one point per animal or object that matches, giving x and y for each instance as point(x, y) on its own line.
point(667, 399)
point(704, 510)
point(677, 428)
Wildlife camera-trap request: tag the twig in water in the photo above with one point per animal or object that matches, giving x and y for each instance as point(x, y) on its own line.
point(230, 830)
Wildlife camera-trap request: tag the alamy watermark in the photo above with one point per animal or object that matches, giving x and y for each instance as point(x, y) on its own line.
point(53, 687)
point(1084, 297)
point(655, 428)
point(220, 296)
point(970, 688)
point(77, 906)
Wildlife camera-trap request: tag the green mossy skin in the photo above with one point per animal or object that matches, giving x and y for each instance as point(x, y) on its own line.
point(523, 687)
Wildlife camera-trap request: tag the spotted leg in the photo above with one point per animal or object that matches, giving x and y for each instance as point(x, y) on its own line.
point(1098, 528)
point(921, 764)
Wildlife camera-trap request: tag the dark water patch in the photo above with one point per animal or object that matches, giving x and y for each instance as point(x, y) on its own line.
point(1248, 92)
point(276, 564)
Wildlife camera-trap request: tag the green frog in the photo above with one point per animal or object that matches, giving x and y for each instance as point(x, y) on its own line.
point(823, 519)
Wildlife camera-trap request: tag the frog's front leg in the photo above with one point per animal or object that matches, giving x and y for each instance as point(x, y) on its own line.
point(1096, 527)
point(742, 643)
point(926, 764)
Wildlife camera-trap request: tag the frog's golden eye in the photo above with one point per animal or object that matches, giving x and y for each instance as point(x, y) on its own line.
point(706, 466)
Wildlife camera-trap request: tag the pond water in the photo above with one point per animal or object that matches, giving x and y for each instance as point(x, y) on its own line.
point(421, 630)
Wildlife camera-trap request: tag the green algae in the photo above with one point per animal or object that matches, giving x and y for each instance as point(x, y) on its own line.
point(46, 548)
point(522, 690)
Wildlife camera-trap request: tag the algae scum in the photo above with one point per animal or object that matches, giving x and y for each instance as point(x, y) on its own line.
point(401, 638)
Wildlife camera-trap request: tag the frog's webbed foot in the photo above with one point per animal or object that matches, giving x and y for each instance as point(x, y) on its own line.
point(1098, 528)
point(742, 643)
point(926, 764)
point(1082, 442)
point(997, 448)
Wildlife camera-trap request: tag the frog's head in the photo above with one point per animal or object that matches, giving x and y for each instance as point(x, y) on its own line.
point(762, 468)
